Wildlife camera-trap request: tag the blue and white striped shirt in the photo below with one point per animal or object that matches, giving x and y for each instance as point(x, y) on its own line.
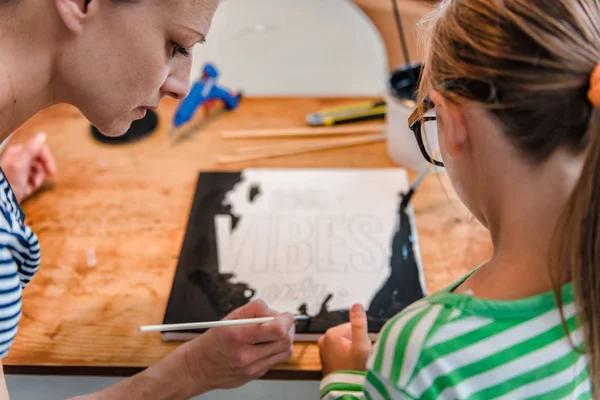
point(19, 261)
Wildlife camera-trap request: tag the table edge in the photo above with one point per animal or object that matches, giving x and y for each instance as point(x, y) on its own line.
point(127, 371)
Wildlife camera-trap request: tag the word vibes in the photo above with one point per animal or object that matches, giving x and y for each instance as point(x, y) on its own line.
point(296, 244)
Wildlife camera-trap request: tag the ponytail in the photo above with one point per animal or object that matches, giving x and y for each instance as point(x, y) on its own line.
point(576, 254)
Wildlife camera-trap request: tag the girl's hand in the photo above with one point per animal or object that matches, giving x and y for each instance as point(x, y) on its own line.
point(27, 166)
point(346, 347)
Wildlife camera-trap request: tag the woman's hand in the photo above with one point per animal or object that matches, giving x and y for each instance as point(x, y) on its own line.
point(346, 347)
point(228, 357)
point(221, 358)
point(27, 166)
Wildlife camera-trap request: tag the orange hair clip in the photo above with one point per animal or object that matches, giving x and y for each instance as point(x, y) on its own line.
point(594, 91)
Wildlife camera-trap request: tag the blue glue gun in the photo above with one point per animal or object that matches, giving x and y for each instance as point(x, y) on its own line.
point(206, 89)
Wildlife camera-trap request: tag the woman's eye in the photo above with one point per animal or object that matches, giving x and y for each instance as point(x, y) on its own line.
point(177, 49)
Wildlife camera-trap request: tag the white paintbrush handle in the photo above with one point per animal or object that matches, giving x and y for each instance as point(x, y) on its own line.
point(207, 325)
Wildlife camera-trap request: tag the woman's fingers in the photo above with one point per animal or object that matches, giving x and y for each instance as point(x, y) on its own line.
point(37, 174)
point(266, 350)
point(47, 160)
point(262, 366)
point(275, 330)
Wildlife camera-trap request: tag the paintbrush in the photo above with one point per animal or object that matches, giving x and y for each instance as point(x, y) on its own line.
point(212, 324)
point(417, 182)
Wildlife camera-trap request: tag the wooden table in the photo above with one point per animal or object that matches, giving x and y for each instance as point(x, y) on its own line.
point(130, 204)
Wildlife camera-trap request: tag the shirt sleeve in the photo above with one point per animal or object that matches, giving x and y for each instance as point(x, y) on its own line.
point(392, 361)
point(10, 299)
point(31, 259)
point(23, 250)
point(343, 385)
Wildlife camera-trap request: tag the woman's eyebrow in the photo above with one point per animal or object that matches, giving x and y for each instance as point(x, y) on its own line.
point(200, 35)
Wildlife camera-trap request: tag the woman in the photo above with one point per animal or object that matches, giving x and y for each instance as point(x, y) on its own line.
point(113, 60)
point(516, 90)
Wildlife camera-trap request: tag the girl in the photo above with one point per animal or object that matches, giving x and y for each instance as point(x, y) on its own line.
point(516, 89)
point(112, 59)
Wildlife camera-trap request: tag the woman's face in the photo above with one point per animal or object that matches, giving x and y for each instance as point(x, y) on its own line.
point(120, 58)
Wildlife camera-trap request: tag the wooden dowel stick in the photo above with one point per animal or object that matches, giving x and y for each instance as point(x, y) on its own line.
point(304, 148)
point(287, 132)
point(276, 146)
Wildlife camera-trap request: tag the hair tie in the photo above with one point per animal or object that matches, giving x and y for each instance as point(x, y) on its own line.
point(594, 91)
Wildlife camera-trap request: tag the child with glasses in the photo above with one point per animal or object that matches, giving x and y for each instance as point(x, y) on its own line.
point(515, 86)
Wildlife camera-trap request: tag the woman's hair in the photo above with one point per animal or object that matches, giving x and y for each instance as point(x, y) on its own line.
point(529, 62)
point(3, 2)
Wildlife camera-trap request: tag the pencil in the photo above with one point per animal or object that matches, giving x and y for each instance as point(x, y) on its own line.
point(211, 324)
point(287, 132)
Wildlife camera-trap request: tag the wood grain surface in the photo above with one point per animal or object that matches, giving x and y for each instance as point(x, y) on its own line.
point(130, 204)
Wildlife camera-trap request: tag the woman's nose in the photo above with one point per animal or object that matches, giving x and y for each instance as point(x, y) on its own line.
point(177, 84)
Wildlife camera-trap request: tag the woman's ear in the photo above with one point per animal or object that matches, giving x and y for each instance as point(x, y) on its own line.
point(72, 13)
point(452, 132)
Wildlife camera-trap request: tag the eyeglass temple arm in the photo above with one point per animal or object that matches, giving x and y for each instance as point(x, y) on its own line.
point(417, 182)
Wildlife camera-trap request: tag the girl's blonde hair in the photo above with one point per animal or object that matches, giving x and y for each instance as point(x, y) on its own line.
point(529, 62)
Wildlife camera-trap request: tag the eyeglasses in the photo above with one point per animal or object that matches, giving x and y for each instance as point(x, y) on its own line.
point(419, 122)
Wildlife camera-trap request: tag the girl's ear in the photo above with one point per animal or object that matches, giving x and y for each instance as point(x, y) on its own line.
point(452, 132)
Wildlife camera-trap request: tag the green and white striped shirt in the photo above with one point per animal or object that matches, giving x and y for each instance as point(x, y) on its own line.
point(454, 346)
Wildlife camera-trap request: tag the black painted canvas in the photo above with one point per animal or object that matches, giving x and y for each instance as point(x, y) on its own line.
point(307, 241)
